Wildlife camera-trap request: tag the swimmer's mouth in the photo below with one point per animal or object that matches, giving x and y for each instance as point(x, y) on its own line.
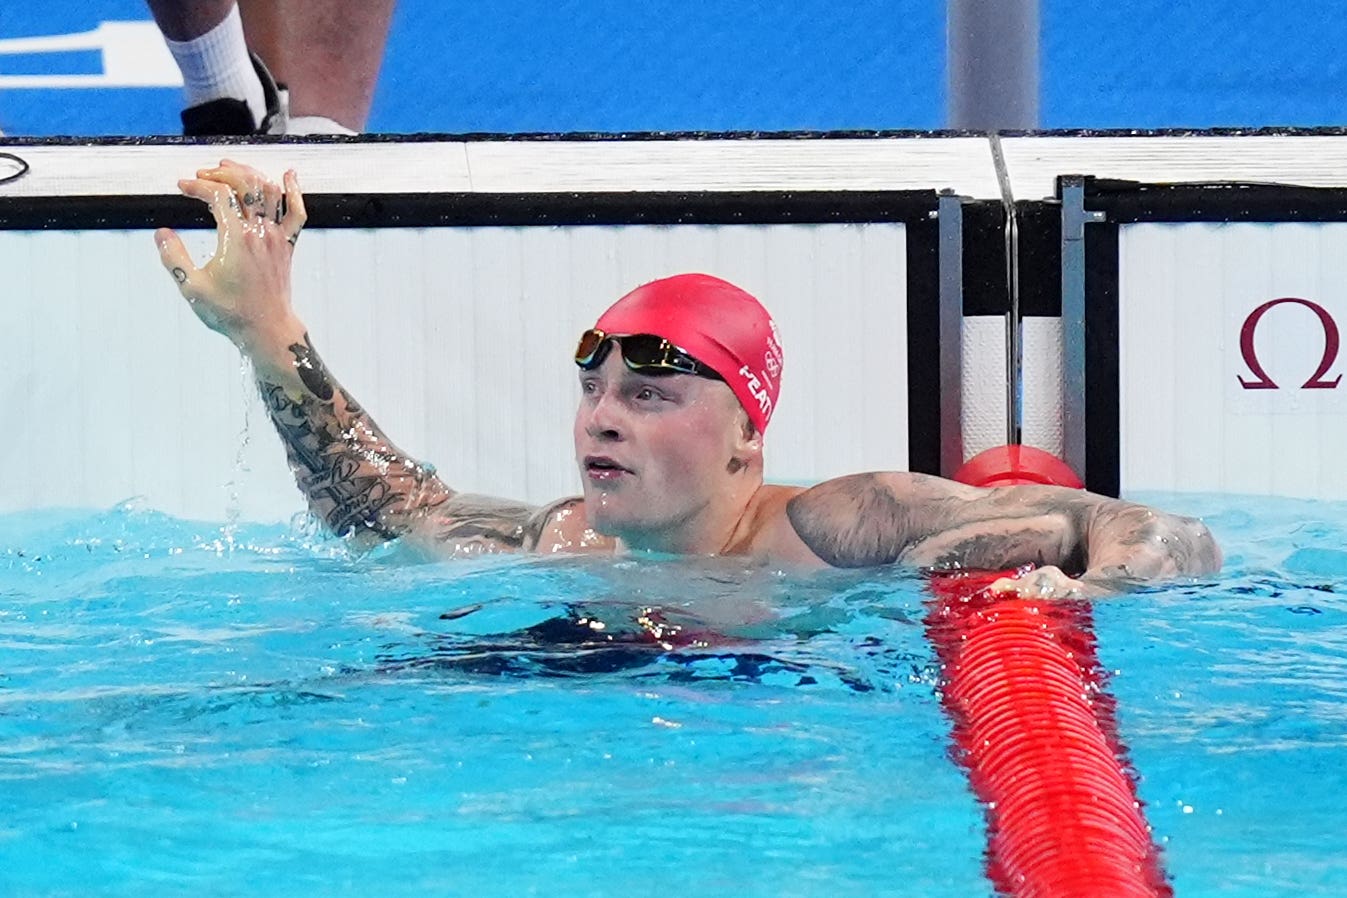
point(603, 466)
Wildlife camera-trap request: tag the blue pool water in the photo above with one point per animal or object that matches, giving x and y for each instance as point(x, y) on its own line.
point(211, 710)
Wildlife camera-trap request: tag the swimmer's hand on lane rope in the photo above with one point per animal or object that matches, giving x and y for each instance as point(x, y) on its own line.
point(1047, 582)
point(243, 291)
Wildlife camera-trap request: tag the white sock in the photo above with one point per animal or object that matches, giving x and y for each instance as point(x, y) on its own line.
point(216, 65)
point(315, 124)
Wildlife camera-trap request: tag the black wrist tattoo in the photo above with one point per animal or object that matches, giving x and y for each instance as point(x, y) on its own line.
point(311, 369)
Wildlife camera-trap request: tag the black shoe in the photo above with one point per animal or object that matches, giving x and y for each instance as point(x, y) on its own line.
point(231, 117)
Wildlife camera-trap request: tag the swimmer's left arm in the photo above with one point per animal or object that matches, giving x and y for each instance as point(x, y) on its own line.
point(1127, 543)
point(914, 519)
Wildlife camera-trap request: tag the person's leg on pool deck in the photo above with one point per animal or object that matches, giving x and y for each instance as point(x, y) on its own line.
point(327, 52)
point(225, 91)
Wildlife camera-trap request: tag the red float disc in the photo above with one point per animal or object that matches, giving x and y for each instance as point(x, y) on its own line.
point(1011, 465)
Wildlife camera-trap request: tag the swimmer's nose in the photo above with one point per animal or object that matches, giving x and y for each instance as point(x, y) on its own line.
point(604, 418)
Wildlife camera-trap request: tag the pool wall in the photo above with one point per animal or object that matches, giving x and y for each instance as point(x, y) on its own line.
point(444, 278)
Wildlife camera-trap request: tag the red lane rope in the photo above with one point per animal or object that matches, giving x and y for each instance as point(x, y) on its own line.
point(1036, 731)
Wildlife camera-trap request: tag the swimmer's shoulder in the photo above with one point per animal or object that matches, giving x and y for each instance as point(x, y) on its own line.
point(770, 534)
point(562, 527)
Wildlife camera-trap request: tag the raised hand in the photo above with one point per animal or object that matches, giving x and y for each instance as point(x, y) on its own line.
point(243, 291)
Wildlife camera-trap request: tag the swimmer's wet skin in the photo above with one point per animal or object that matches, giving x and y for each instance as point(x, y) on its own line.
point(679, 380)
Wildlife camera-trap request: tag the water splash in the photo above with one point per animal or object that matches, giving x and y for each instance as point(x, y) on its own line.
point(233, 501)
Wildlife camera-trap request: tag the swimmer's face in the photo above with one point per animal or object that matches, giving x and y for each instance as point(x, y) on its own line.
point(658, 454)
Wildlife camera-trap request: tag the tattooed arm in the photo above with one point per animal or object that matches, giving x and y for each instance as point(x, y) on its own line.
point(870, 519)
point(362, 485)
point(354, 478)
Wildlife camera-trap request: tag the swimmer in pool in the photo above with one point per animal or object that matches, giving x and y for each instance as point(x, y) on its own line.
point(678, 381)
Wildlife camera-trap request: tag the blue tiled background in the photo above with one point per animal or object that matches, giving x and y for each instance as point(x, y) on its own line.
point(565, 65)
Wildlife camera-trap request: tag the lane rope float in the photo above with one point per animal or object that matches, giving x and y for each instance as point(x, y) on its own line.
point(1036, 730)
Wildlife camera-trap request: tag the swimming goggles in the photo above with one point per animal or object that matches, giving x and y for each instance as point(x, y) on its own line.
point(644, 353)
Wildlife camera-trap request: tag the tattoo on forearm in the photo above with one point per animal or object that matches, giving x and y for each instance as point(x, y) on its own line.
point(1146, 543)
point(312, 371)
point(870, 519)
point(873, 519)
point(329, 468)
point(363, 486)
point(1016, 542)
point(355, 480)
point(352, 406)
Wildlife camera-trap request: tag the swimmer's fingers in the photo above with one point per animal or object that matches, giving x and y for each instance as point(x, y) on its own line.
point(295, 215)
point(178, 263)
point(273, 202)
point(175, 258)
point(261, 198)
point(256, 195)
point(270, 202)
point(1006, 586)
point(224, 207)
point(1047, 582)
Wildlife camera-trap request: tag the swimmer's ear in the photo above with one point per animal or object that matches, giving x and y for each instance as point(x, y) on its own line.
point(747, 447)
point(750, 438)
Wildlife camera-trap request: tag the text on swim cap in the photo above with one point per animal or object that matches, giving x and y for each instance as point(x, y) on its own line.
point(772, 358)
point(759, 392)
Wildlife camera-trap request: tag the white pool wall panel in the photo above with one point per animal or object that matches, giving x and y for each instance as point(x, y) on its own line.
point(1187, 422)
point(984, 383)
point(1041, 361)
point(456, 340)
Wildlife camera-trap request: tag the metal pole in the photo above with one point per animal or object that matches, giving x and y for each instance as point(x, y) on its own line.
point(950, 227)
point(1074, 219)
point(1014, 333)
point(991, 57)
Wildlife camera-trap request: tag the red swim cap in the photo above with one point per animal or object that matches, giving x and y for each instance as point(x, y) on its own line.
point(716, 323)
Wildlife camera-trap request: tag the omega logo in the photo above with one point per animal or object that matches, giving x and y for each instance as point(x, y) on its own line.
point(1260, 380)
